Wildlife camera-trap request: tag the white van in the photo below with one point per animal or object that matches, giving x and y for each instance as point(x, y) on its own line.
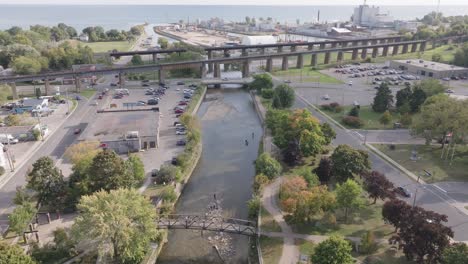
point(8, 138)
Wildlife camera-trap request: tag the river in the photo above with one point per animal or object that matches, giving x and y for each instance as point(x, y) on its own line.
point(226, 169)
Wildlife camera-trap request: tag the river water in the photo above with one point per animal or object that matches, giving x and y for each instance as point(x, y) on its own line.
point(226, 168)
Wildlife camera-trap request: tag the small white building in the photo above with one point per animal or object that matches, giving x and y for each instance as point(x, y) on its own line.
point(258, 40)
point(84, 37)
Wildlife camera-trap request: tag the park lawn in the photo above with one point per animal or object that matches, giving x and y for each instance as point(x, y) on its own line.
point(88, 93)
point(429, 159)
point(106, 46)
point(368, 218)
point(272, 248)
point(307, 75)
point(370, 118)
point(268, 223)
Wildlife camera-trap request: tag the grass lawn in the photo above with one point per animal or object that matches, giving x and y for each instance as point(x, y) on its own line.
point(385, 255)
point(429, 159)
point(368, 218)
point(305, 247)
point(153, 190)
point(446, 54)
point(106, 46)
point(306, 75)
point(370, 118)
point(272, 247)
point(268, 223)
point(88, 93)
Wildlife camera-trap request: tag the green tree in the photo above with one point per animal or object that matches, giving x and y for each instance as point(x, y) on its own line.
point(310, 177)
point(354, 112)
point(163, 43)
point(26, 65)
point(136, 60)
point(460, 57)
point(13, 254)
point(267, 165)
point(385, 118)
point(403, 96)
point(347, 161)
point(21, 217)
point(136, 167)
point(441, 115)
point(417, 99)
point(253, 206)
point(167, 174)
point(436, 57)
point(108, 172)
point(260, 181)
point(430, 87)
point(383, 99)
point(121, 222)
point(334, 250)
point(283, 96)
point(455, 254)
point(328, 133)
point(348, 196)
point(261, 81)
point(48, 182)
point(12, 120)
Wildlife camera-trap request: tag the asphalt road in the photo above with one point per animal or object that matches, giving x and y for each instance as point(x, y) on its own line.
point(428, 195)
point(54, 147)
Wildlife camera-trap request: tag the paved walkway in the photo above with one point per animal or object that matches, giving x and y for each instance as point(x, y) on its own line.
point(290, 252)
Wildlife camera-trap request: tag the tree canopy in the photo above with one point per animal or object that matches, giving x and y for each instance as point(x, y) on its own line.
point(346, 162)
point(267, 165)
point(383, 100)
point(120, 222)
point(348, 196)
point(261, 81)
point(283, 96)
point(378, 186)
point(334, 250)
point(13, 254)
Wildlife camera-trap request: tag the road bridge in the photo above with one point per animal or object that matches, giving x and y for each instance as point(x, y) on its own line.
point(242, 81)
point(154, 52)
point(209, 223)
point(215, 63)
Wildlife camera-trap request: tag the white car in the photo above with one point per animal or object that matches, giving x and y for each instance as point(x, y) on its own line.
point(350, 83)
point(179, 132)
point(326, 97)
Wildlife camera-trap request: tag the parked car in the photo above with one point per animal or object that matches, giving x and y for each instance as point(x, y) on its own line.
point(181, 142)
point(145, 81)
point(100, 97)
point(154, 173)
point(403, 191)
point(179, 111)
point(141, 103)
point(182, 103)
point(174, 161)
point(145, 85)
point(77, 131)
point(177, 123)
point(446, 79)
point(78, 98)
point(180, 83)
point(287, 81)
point(113, 84)
point(326, 97)
point(449, 91)
point(152, 102)
point(118, 96)
point(181, 132)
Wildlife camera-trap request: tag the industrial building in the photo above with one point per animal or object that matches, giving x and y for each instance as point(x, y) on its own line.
point(369, 16)
point(125, 131)
point(258, 40)
point(429, 68)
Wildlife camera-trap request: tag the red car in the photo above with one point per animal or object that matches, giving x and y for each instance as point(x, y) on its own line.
point(179, 111)
point(182, 103)
point(100, 97)
point(77, 131)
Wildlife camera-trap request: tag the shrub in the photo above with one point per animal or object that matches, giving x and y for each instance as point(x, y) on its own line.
point(368, 244)
point(267, 165)
point(253, 205)
point(332, 107)
point(352, 121)
point(36, 134)
point(167, 174)
point(168, 194)
point(339, 109)
point(260, 181)
point(354, 112)
point(267, 93)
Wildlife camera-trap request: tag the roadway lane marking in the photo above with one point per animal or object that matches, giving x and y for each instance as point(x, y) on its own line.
point(442, 190)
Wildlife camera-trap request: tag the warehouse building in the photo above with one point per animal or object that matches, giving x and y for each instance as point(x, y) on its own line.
point(429, 68)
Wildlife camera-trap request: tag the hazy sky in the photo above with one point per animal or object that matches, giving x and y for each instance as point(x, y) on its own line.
point(241, 2)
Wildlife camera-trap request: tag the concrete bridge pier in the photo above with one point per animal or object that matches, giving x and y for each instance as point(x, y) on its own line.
point(375, 52)
point(226, 53)
point(121, 80)
point(322, 45)
point(155, 57)
point(46, 86)
point(280, 49)
point(285, 64)
point(14, 92)
point(344, 44)
point(203, 70)
point(300, 61)
point(162, 75)
point(326, 60)
point(333, 45)
point(414, 47)
point(217, 70)
point(363, 54)
point(422, 46)
point(310, 47)
point(246, 69)
point(245, 53)
point(405, 49)
point(293, 48)
point(354, 54)
point(269, 65)
point(395, 50)
point(78, 83)
point(339, 57)
point(210, 65)
point(313, 61)
point(385, 51)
